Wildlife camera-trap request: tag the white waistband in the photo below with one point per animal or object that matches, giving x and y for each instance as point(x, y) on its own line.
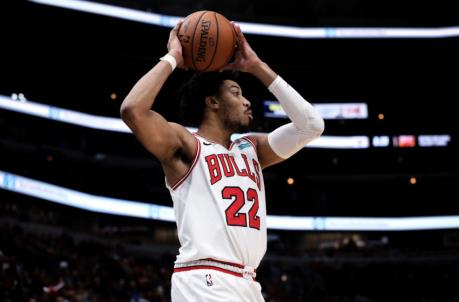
point(247, 272)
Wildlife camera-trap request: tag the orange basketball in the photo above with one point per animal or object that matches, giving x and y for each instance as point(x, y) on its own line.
point(208, 41)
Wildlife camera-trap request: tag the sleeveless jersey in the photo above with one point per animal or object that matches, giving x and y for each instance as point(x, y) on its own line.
point(220, 206)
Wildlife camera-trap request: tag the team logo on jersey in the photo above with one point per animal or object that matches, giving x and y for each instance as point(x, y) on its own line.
point(224, 165)
point(243, 146)
point(209, 280)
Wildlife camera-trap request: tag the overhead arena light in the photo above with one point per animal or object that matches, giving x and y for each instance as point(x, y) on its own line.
point(107, 205)
point(117, 125)
point(261, 29)
point(328, 111)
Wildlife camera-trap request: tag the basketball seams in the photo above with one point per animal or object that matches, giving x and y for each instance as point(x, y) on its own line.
point(202, 38)
point(231, 53)
point(216, 43)
point(192, 39)
point(235, 42)
point(233, 34)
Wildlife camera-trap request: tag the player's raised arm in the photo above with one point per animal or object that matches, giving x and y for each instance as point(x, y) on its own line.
point(167, 141)
point(306, 125)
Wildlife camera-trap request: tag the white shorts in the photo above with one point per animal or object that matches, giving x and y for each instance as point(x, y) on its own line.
point(208, 285)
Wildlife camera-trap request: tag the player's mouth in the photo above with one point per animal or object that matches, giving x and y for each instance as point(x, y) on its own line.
point(249, 114)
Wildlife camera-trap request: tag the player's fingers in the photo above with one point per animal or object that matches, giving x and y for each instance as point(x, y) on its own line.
point(176, 28)
point(240, 35)
point(236, 29)
point(229, 66)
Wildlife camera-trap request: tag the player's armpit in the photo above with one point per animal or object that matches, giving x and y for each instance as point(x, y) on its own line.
point(266, 156)
point(163, 139)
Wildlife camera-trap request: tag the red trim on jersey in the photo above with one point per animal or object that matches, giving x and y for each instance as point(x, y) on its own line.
point(190, 268)
point(226, 262)
point(196, 157)
point(251, 140)
point(214, 142)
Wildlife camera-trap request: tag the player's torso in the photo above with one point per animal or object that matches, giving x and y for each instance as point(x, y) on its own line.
point(220, 206)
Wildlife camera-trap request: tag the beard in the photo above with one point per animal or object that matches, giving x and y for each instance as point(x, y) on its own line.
point(236, 126)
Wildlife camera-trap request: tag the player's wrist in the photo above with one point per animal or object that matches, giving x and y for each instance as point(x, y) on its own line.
point(263, 72)
point(177, 54)
point(170, 59)
point(255, 65)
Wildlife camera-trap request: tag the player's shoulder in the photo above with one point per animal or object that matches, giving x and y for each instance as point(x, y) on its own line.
point(181, 130)
point(253, 138)
point(188, 140)
point(178, 127)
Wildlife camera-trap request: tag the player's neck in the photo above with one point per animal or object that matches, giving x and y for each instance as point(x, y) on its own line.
point(215, 133)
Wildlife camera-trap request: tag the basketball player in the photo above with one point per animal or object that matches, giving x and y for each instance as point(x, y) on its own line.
point(217, 184)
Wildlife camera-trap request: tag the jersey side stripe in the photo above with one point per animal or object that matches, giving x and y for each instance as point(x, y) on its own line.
point(196, 157)
point(190, 268)
point(248, 139)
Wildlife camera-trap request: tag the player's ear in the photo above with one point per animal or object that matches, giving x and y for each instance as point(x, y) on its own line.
point(212, 102)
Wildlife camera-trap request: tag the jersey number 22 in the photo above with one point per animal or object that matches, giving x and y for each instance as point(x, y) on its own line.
point(233, 216)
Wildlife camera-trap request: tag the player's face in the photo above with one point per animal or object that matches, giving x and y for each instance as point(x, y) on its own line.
point(236, 112)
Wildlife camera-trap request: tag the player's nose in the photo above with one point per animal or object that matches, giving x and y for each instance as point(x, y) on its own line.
point(247, 103)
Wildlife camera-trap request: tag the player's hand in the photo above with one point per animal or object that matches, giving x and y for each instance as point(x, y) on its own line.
point(174, 47)
point(245, 58)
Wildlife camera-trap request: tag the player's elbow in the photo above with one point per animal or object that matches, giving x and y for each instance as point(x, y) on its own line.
point(314, 125)
point(311, 121)
point(128, 112)
point(313, 131)
point(317, 126)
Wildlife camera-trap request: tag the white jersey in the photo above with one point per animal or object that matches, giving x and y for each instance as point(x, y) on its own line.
point(220, 205)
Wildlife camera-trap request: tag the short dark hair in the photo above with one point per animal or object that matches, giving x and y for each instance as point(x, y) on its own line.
point(193, 94)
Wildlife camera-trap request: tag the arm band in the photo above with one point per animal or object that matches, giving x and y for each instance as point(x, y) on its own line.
point(307, 124)
point(169, 59)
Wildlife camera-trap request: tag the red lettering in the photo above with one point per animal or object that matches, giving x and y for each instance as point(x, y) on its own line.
point(214, 168)
point(233, 216)
point(227, 167)
point(254, 219)
point(257, 171)
point(249, 172)
point(227, 163)
point(239, 172)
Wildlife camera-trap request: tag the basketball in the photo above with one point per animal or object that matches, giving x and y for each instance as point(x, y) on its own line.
point(208, 41)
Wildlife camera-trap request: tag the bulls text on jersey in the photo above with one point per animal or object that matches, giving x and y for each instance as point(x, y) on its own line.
point(220, 165)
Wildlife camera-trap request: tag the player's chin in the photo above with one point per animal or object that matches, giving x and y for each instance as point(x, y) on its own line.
point(244, 127)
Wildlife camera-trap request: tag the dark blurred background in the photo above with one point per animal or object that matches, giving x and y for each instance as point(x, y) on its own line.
point(77, 61)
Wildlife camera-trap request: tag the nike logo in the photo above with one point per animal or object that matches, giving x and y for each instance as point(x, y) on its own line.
point(207, 144)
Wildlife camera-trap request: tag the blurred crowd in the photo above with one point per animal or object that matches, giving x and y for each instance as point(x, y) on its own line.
point(45, 268)
point(46, 262)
